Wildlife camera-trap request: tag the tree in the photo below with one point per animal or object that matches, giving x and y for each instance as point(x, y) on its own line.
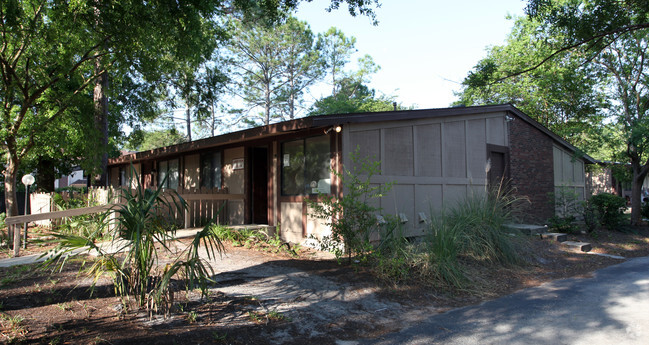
point(563, 94)
point(592, 25)
point(612, 32)
point(336, 49)
point(51, 50)
point(627, 65)
point(353, 97)
point(303, 65)
point(140, 140)
point(274, 65)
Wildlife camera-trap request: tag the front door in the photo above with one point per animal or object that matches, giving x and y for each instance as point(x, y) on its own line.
point(259, 179)
point(498, 171)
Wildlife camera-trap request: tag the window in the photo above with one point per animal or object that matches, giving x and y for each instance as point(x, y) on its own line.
point(168, 174)
point(211, 170)
point(306, 166)
point(123, 177)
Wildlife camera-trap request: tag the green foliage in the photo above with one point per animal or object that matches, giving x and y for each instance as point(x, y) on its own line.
point(566, 207)
point(254, 238)
point(141, 140)
point(562, 94)
point(614, 36)
point(645, 209)
point(590, 216)
point(3, 216)
point(143, 230)
point(91, 226)
point(473, 229)
point(591, 23)
point(353, 97)
point(274, 66)
point(351, 217)
point(610, 208)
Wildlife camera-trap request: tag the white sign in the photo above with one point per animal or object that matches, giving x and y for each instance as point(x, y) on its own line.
point(237, 164)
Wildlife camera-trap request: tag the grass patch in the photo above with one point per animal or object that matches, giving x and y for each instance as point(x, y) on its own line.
point(469, 234)
point(255, 239)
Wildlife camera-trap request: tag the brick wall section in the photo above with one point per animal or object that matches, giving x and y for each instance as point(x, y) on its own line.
point(532, 171)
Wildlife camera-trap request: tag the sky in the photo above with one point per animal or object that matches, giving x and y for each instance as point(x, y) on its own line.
point(425, 48)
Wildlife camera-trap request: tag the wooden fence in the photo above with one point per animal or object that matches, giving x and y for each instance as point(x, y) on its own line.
point(202, 206)
point(207, 204)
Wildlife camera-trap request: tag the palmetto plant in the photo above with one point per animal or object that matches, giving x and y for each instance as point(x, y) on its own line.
point(143, 228)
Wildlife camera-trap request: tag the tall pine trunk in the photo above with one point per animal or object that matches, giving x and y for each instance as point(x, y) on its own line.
point(101, 123)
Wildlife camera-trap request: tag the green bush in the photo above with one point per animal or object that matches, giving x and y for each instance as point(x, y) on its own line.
point(566, 204)
point(474, 229)
point(351, 218)
point(610, 209)
point(143, 229)
point(645, 209)
point(90, 225)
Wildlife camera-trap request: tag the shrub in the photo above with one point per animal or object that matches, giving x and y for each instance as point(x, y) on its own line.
point(474, 229)
point(566, 206)
point(351, 218)
point(591, 218)
point(645, 208)
point(145, 220)
point(610, 209)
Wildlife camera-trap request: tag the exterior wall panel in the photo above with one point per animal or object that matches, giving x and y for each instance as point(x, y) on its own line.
point(429, 150)
point(291, 223)
point(532, 172)
point(454, 154)
point(398, 159)
point(476, 152)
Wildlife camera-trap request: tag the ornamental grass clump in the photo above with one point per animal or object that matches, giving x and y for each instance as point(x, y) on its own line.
point(143, 229)
point(472, 230)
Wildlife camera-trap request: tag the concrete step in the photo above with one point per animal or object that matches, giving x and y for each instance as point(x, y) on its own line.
point(580, 246)
point(555, 236)
point(527, 229)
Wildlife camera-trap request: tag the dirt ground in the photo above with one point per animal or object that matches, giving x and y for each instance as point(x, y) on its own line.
point(265, 298)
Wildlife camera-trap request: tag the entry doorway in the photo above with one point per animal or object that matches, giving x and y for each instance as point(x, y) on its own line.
point(499, 165)
point(259, 184)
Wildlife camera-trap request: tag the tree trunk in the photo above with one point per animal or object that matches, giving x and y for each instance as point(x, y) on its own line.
point(46, 175)
point(267, 106)
point(101, 123)
point(188, 120)
point(11, 200)
point(10, 174)
point(636, 194)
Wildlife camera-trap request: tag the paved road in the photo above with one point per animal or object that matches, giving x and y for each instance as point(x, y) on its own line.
point(611, 308)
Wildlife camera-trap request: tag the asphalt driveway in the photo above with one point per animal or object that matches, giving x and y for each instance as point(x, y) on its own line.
point(610, 308)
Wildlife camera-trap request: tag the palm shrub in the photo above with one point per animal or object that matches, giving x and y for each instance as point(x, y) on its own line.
point(145, 220)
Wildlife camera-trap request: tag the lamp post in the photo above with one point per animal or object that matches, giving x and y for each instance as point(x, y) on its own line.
point(27, 180)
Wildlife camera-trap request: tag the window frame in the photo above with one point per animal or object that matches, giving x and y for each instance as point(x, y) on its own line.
point(166, 173)
point(305, 165)
point(214, 174)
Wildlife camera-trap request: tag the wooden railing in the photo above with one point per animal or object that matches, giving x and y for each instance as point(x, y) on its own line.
point(202, 206)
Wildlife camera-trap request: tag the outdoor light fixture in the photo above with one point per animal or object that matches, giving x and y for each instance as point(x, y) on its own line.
point(27, 180)
point(336, 128)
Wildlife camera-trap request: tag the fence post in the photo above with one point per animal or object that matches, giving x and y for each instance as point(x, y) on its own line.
point(16, 240)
